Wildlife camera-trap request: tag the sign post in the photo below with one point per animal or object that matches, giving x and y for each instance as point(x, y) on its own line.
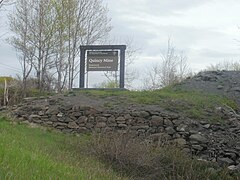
point(102, 58)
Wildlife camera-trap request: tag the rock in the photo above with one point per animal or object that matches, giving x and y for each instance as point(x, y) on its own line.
point(231, 155)
point(170, 130)
point(207, 126)
point(82, 130)
point(60, 114)
point(89, 125)
point(145, 127)
point(112, 124)
point(106, 115)
point(60, 124)
point(67, 107)
point(182, 128)
point(167, 122)
point(176, 136)
point(82, 119)
point(234, 168)
point(236, 89)
point(101, 119)
point(144, 114)
point(49, 122)
point(198, 138)
point(73, 125)
point(197, 147)
point(34, 116)
point(101, 125)
point(220, 87)
point(135, 114)
point(38, 121)
point(52, 111)
point(53, 119)
point(111, 119)
point(127, 117)
point(120, 119)
point(84, 108)
point(156, 121)
point(41, 113)
point(77, 114)
point(122, 125)
point(225, 161)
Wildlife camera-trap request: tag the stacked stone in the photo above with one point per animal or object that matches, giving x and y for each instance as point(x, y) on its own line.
point(210, 141)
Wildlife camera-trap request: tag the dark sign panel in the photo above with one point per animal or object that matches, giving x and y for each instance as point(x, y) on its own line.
point(102, 60)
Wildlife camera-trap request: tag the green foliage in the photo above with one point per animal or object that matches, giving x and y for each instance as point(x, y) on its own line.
point(33, 153)
point(193, 104)
point(8, 79)
point(33, 92)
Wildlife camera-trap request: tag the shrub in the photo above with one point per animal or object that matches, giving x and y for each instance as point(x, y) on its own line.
point(141, 160)
point(15, 90)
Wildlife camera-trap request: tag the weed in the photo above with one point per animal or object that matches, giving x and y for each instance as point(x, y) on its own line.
point(141, 160)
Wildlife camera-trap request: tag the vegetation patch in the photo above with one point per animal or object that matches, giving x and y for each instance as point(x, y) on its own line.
point(192, 104)
point(141, 160)
point(34, 153)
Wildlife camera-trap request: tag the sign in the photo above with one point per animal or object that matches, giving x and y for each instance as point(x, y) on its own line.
point(102, 61)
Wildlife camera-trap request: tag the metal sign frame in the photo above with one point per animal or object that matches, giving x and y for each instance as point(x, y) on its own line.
point(83, 50)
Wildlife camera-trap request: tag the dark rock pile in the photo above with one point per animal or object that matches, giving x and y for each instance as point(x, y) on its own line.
point(225, 83)
point(209, 141)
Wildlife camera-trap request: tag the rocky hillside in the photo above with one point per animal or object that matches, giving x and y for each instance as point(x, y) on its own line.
point(225, 83)
point(162, 119)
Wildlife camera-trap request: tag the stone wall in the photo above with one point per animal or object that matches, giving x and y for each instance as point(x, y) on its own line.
point(209, 141)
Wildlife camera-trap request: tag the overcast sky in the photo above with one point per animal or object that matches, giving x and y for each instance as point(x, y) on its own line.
point(205, 30)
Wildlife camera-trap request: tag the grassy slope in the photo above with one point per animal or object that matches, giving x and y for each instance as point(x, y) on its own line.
point(32, 153)
point(191, 104)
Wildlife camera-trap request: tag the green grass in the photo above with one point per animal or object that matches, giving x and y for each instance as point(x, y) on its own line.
point(33, 153)
point(192, 104)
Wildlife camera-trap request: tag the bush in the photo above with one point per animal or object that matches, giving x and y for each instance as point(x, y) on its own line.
point(141, 160)
point(15, 90)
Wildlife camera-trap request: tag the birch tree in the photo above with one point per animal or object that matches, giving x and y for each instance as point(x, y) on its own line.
point(91, 25)
point(54, 30)
point(21, 40)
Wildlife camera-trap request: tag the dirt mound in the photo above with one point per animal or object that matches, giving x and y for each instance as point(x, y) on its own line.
point(225, 83)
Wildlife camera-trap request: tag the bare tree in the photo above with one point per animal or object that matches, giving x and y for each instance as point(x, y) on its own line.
point(33, 26)
point(1, 3)
point(172, 69)
point(21, 42)
point(6, 2)
point(79, 22)
point(54, 30)
point(225, 65)
point(130, 72)
point(91, 25)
